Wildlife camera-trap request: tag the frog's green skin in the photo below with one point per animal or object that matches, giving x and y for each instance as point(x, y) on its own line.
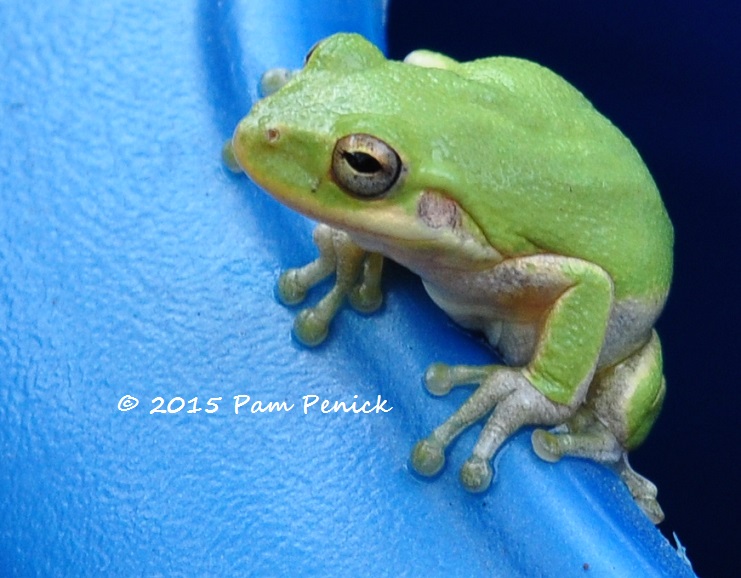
point(527, 215)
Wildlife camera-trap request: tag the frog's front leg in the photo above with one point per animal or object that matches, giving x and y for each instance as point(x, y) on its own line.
point(550, 388)
point(358, 277)
point(621, 407)
point(440, 378)
point(512, 402)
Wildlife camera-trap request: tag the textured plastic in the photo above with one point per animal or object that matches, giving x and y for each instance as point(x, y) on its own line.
point(133, 264)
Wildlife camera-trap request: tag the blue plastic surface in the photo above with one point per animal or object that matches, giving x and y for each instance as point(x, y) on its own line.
point(133, 264)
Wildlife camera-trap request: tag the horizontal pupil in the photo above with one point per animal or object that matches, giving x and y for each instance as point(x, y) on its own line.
point(362, 162)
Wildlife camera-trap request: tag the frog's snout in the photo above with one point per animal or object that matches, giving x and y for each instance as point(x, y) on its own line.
point(242, 141)
point(252, 136)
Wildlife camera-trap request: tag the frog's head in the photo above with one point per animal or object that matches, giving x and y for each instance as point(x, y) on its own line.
point(342, 142)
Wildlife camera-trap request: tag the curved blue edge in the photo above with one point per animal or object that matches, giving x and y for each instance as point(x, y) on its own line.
point(133, 264)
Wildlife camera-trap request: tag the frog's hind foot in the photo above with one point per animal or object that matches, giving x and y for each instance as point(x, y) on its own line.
point(644, 491)
point(588, 438)
point(582, 436)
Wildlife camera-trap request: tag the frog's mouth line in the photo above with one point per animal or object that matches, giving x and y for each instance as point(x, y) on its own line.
point(439, 227)
point(434, 222)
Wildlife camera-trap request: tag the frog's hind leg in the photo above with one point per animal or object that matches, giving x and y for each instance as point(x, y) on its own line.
point(622, 405)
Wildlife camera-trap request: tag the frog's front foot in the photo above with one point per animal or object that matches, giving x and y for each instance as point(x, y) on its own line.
point(358, 277)
point(428, 457)
point(311, 327)
point(275, 79)
point(504, 395)
point(291, 288)
point(229, 158)
point(441, 378)
point(476, 474)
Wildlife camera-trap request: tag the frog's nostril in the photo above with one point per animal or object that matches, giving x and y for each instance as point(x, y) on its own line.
point(272, 135)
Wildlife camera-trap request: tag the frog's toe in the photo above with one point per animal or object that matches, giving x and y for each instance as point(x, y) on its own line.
point(476, 474)
point(290, 290)
point(229, 158)
point(273, 80)
point(644, 492)
point(651, 508)
point(365, 299)
point(438, 379)
point(428, 457)
point(546, 445)
point(310, 328)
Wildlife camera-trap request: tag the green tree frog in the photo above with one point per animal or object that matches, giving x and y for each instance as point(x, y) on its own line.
point(528, 216)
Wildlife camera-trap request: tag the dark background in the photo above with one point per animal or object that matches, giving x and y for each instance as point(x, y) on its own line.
point(667, 74)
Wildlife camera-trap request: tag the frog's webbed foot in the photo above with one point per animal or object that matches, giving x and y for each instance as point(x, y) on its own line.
point(585, 436)
point(510, 401)
point(358, 277)
point(644, 492)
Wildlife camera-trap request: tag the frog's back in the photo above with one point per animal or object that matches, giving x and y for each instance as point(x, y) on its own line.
point(569, 181)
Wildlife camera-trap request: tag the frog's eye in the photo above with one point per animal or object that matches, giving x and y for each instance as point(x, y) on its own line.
point(365, 166)
point(311, 51)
